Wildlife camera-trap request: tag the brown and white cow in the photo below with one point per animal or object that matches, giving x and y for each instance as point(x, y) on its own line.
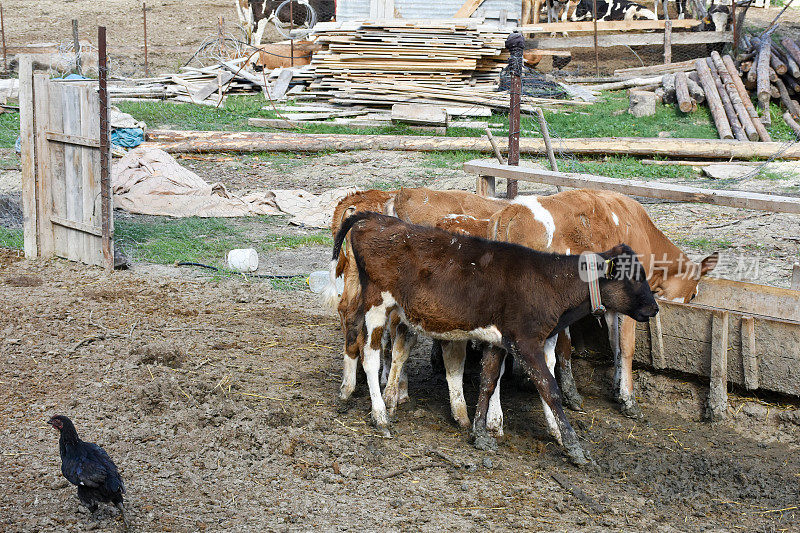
point(457, 287)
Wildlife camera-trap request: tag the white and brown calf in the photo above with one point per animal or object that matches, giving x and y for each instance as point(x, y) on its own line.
point(457, 288)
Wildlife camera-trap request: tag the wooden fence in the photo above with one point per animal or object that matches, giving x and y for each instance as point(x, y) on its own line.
point(61, 176)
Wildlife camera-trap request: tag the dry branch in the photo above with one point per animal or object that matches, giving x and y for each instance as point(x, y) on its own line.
point(714, 100)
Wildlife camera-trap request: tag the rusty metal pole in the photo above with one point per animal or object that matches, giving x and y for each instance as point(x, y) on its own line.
point(105, 150)
point(76, 45)
point(221, 37)
point(515, 45)
point(596, 48)
point(144, 26)
point(3, 31)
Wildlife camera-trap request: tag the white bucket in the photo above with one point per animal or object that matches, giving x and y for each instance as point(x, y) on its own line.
point(243, 260)
point(317, 281)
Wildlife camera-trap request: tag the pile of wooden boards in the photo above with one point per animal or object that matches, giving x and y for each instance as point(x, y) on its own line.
point(382, 63)
point(423, 117)
point(211, 85)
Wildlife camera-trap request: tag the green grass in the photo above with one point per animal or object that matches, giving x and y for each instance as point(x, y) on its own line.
point(9, 130)
point(705, 244)
point(202, 240)
point(450, 159)
point(11, 238)
point(624, 167)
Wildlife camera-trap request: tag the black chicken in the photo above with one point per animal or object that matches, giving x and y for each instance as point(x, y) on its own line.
point(89, 467)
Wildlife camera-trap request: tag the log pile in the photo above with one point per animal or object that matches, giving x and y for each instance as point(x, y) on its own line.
point(763, 70)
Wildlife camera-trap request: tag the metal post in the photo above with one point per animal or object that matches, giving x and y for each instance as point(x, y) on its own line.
point(515, 45)
point(596, 47)
point(105, 151)
point(144, 25)
point(77, 45)
point(3, 31)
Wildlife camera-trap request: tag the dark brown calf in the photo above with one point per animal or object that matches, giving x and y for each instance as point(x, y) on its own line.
point(456, 288)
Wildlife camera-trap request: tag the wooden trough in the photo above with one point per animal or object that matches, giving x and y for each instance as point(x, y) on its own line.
point(732, 332)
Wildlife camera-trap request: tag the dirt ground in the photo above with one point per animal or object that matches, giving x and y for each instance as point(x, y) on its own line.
point(176, 28)
point(216, 400)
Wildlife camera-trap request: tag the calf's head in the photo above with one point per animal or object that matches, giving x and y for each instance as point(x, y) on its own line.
point(678, 282)
point(624, 288)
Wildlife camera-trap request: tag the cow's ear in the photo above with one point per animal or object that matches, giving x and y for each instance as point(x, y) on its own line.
point(709, 263)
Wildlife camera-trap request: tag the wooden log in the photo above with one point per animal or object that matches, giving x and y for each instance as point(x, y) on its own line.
point(752, 74)
point(695, 90)
point(777, 64)
point(763, 78)
point(210, 141)
point(745, 97)
point(792, 68)
point(793, 50)
point(714, 100)
point(625, 84)
point(745, 66)
point(648, 189)
point(792, 123)
point(791, 84)
point(736, 100)
point(668, 82)
point(638, 72)
point(727, 104)
point(684, 101)
point(774, 92)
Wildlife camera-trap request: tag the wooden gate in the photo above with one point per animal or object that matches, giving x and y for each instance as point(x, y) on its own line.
point(61, 174)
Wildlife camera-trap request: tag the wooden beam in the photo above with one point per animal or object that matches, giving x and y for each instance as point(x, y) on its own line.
point(718, 390)
point(749, 354)
point(467, 9)
point(176, 141)
point(633, 39)
point(657, 343)
point(28, 158)
point(607, 25)
point(78, 226)
point(72, 139)
point(649, 189)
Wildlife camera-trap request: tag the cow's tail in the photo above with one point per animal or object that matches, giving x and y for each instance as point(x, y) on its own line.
point(329, 297)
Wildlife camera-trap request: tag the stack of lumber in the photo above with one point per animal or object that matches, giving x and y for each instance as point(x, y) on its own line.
point(211, 85)
point(382, 63)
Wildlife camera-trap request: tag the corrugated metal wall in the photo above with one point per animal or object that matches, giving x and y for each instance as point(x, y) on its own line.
point(428, 9)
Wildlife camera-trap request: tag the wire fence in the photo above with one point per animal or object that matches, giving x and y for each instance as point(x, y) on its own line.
point(149, 239)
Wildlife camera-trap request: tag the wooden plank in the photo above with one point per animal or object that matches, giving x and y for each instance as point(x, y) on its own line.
point(718, 392)
point(649, 189)
point(58, 194)
point(749, 354)
point(90, 175)
point(43, 192)
point(657, 343)
point(633, 39)
point(467, 9)
point(278, 89)
point(81, 227)
point(635, 72)
point(76, 140)
point(606, 25)
point(749, 298)
point(420, 114)
point(213, 86)
point(323, 115)
point(73, 200)
point(28, 158)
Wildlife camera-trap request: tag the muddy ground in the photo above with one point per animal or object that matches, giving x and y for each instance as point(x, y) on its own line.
point(216, 399)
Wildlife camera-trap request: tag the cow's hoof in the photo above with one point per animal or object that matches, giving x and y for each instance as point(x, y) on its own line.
point(485, 442)
point(578, 456)
point(343, 406)
point(384, 432)
point(572, 399)
point(631, 410)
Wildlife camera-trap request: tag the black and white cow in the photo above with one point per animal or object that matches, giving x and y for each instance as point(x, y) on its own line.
point(612, 10)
